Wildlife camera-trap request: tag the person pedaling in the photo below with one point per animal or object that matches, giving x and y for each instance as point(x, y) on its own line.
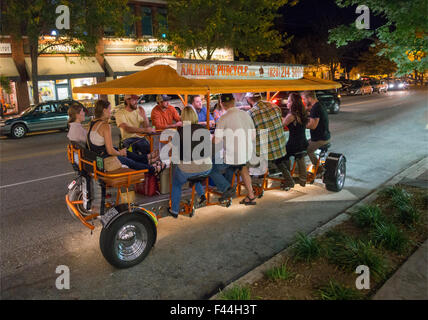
point(129, 224)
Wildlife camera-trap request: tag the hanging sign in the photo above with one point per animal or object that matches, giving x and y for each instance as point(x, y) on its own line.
point(238, 71)
point(5, 48)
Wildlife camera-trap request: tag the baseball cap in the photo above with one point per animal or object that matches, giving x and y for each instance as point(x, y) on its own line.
point(227, 97)
point(253, 95)
point(131, 96)
point(162, 97)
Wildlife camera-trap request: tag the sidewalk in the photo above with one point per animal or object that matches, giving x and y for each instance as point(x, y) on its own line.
point(409, 282)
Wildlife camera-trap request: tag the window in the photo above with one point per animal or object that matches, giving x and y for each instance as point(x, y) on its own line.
point(163, 21)
point(146, 21)
point(129, 24)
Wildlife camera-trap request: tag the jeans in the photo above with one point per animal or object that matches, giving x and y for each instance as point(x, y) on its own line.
point(221, 181)
point(135, 161)
point(139, 145)
point(179, 178)
point(312, 147)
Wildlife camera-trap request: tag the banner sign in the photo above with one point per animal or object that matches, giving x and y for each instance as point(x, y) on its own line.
point(238, 71)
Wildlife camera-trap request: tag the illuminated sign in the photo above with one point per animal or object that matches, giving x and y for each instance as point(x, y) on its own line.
point(5, 48)
point(242, 71)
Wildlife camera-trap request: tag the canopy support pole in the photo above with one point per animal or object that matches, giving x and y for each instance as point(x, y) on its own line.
point(208, 110)
point(276, 93)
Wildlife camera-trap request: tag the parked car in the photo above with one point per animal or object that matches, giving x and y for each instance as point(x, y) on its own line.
point(44, 116)
point(329, 99)
point(379, 86)
point(359, 88)
point(397, 85)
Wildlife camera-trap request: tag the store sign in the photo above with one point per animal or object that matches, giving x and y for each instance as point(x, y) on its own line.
point(59, 48)
point(5, 48)
point(126, 46)
point(152, 48)
point(242, 71)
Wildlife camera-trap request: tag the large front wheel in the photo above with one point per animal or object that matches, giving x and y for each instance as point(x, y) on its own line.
point(335, 172)
point(127, 240)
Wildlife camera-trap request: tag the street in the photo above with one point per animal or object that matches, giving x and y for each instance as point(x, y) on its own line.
point(379, 134)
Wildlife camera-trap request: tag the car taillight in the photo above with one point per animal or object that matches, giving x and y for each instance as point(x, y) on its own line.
point(274, 101)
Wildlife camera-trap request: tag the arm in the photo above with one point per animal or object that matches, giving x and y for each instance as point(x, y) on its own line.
point(129, 129)
point(105, 131)
point(313, 123)
point(143, 115)
point(288, 119)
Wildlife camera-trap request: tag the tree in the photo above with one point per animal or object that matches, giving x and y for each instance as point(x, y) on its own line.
point(38, 18)
point(202, 26)
point(371, 63)
point(404, 35)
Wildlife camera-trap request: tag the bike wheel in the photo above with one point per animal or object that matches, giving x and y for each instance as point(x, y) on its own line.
point(335, 172)
point(127, 240)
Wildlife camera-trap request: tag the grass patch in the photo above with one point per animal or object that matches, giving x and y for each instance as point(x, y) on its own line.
point(368, 216)
point(336, 291)
point(281, 272)
point(307, 248)
point(401, 202)
point(390, 237)
point(350, 253)
point(236, 293)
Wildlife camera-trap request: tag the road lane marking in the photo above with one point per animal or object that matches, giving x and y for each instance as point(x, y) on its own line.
point(35, 180)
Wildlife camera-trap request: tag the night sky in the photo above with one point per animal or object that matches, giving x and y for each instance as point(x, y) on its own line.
point(316, 17)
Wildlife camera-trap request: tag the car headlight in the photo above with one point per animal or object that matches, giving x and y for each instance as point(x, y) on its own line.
point(401, 85)
point(391, 86)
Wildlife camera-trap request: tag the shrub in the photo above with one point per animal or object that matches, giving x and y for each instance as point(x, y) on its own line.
point(390, 237)
point(236, 293)
point(351, 253)
point(307, 248)
point(280, 273)
point(368, 216)
point(336, 291)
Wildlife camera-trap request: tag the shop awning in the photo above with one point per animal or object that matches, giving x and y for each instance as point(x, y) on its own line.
point(163, 79)
point(55, 68)
point(8, 68)
point(123, 65)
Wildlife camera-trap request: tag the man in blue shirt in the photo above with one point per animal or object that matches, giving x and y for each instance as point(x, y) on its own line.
point(201, 112)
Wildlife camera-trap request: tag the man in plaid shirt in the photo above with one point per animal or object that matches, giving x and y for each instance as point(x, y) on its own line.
point(270, 140)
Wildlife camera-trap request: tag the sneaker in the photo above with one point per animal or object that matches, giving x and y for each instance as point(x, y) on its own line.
point(229, 193)
point(202, 201)
point(174, 215)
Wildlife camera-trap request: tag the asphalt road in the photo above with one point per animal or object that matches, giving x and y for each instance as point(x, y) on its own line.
point(192, 258)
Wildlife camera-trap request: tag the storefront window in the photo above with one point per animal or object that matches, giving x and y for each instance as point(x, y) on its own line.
point(8, 99)
point(81, 82)
point(47, 91)
point(146, 21)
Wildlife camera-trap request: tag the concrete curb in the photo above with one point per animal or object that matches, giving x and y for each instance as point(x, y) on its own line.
point(256, 274)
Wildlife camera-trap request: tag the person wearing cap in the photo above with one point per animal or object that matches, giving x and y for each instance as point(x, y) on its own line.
point(132, 122)
point(164, 115)
point(271, 146)
point(239, 126)
point(201, 112)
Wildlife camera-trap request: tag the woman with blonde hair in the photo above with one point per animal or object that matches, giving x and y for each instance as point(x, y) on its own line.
point(186, 165)
point(100, 141)
point(76, 115)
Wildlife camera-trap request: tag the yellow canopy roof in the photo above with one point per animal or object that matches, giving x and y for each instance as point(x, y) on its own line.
point(163, 79)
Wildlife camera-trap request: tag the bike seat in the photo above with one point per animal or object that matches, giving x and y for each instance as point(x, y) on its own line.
point(325, 147)
point(196, 179)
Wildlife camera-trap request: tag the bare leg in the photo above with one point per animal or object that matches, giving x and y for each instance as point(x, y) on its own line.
point(246, 178)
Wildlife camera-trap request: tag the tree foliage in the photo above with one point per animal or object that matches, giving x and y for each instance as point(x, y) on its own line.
point(371, 63)
point(207, 25)
point(37, 18)
point(404, 35)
